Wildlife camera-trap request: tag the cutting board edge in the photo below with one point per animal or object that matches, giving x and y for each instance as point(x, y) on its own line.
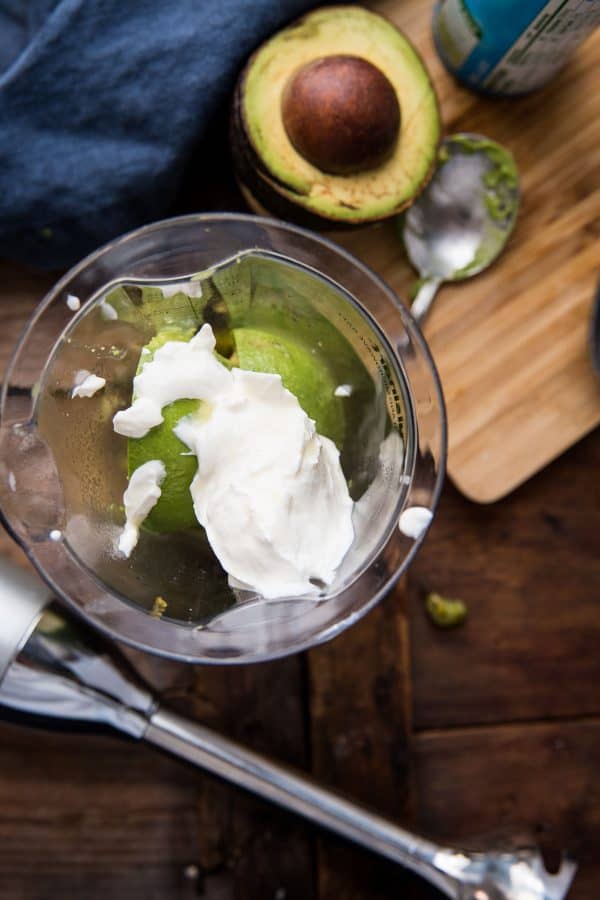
point(486, 501)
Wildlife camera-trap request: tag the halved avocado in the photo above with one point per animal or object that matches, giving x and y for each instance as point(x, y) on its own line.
point(316, 130)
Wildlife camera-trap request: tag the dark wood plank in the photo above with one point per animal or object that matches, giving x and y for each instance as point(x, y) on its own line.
point(541, 777)
point(147, 882)
point(360, 726)
point(21, 289)
point(529, 569)
point(78, 808)
point(81, 816)
point(258, 850)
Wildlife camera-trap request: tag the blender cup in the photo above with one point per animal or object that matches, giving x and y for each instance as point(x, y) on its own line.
point(63, 470)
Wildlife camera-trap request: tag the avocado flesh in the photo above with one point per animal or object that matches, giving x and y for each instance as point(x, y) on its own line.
point(369, 195)
point(303, 374)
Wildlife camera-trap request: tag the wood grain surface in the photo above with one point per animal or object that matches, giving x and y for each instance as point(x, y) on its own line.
point(511, 345)
point(495, 725)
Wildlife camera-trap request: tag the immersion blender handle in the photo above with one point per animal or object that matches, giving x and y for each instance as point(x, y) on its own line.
point(297, 793)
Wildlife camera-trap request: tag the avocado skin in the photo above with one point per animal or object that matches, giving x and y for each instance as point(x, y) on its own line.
point(265, 194)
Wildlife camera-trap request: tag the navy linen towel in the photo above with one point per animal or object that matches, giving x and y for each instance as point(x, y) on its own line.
point(102, 103)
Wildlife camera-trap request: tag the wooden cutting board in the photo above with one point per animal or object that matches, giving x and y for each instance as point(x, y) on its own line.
point(512, 344)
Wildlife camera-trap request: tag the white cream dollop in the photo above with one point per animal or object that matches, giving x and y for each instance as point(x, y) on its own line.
point(269, 490)
point(108, 312)
point(87, 384)
point(178, 369)
point(142, 494)
point(414, 520)
point(343, 390)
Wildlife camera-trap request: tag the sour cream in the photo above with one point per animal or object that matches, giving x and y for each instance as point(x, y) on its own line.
point(269, 490)
point(142, 494)
point(414, 521)
point(87, 384)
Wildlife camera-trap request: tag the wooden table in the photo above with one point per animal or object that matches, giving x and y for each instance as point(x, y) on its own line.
point(492, 726)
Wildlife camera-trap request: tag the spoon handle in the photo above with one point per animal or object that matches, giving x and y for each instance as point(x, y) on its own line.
point(422, 302)
point(296, 792)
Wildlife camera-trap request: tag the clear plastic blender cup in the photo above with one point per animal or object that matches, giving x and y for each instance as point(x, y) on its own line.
point(63, 469)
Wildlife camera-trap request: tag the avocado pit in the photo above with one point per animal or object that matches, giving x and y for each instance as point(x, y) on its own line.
point(341, 113)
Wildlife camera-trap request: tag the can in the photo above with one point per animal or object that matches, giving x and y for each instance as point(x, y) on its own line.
point(510, 46)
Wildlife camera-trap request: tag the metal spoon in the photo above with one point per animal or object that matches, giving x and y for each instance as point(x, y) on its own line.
point(462, 220)
point(53, 665)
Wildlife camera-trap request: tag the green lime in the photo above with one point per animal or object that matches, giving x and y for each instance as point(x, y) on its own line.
point(302, 373)
point(174, 510)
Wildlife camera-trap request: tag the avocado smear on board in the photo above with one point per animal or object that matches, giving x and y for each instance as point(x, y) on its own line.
point(444, 612)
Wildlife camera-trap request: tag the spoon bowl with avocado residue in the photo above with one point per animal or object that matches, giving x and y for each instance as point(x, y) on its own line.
point(462, 221)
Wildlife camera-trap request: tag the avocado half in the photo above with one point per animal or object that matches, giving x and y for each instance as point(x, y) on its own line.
point(272, 172)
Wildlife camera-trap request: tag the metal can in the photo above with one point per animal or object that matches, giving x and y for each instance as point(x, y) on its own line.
point(510, 46)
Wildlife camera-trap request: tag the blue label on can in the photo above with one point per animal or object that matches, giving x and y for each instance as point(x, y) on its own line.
point(506, 46)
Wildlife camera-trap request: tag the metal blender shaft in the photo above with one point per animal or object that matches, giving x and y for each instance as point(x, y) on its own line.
point(295, 792)
point(54, 665)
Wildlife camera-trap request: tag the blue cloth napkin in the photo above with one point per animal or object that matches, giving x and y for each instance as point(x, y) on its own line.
point(103, 102)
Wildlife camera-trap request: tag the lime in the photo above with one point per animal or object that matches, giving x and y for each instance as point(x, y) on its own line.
point(302, 373)
point(174, 510)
